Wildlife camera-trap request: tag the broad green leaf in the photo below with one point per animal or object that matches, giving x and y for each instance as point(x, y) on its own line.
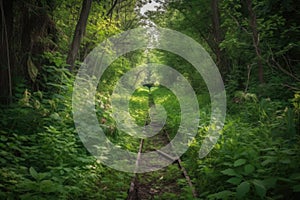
point(259, 188)
point(242, 189)
point(249, 168)
point(230, 172)
point(47, 186)
point(33, 173)
point(3, 138)
point(270, 182)
point(239, 162)
point(270, 159)
point(221, 195)
point(41, 176)
point(234, 180)
point(27, 185)
point(262, 171)
point(55, 116)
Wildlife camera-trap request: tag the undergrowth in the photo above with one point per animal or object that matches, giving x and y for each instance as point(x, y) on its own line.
point(42, 157)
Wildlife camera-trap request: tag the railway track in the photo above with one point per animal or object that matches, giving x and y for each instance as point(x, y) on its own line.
point(165, 183)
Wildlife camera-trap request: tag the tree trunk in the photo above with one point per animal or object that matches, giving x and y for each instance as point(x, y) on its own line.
point(218, 38)
point(255, 38)
point(79, 32)
point(216, 28)
point(6, 26)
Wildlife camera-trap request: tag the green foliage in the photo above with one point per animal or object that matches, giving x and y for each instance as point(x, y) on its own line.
point(42, 154)
point(257, 155)
point(250, 161)
point(296, 102)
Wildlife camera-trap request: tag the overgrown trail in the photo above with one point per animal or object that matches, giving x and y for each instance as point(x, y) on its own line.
point(45, 45)
point(171, 182)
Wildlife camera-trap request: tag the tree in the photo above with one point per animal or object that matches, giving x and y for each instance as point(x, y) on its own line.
point(201, 20)
point(6, 27)
point(255, 38)
point(218, 37)
point(79, 32)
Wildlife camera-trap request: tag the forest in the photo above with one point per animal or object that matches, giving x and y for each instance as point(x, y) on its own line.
point(141, 99)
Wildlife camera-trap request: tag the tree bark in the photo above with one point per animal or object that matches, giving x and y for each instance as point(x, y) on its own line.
point(255, 38)
point(216, 28)
point(217, 37)
point(6, 26)
point(79, 32)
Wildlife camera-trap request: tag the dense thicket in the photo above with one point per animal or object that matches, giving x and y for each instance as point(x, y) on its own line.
point(254, 43)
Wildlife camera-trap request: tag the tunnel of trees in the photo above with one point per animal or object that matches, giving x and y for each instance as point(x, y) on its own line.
point(255, 46)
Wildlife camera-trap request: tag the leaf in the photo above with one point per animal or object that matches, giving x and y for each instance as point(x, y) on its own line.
point(55, 116)
point(230, 172)
point(47, 186)
point(259, 188)
point(285, 180)
point(249, 168)
point(27, 185)
point(234, 180)
point(32, 69)
point(41, 176)
point(221, 195)
point(3, 138)
point(270, 182)
point(33, 173)
point(239, 162)
point(242, 189)
point(270, 159)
